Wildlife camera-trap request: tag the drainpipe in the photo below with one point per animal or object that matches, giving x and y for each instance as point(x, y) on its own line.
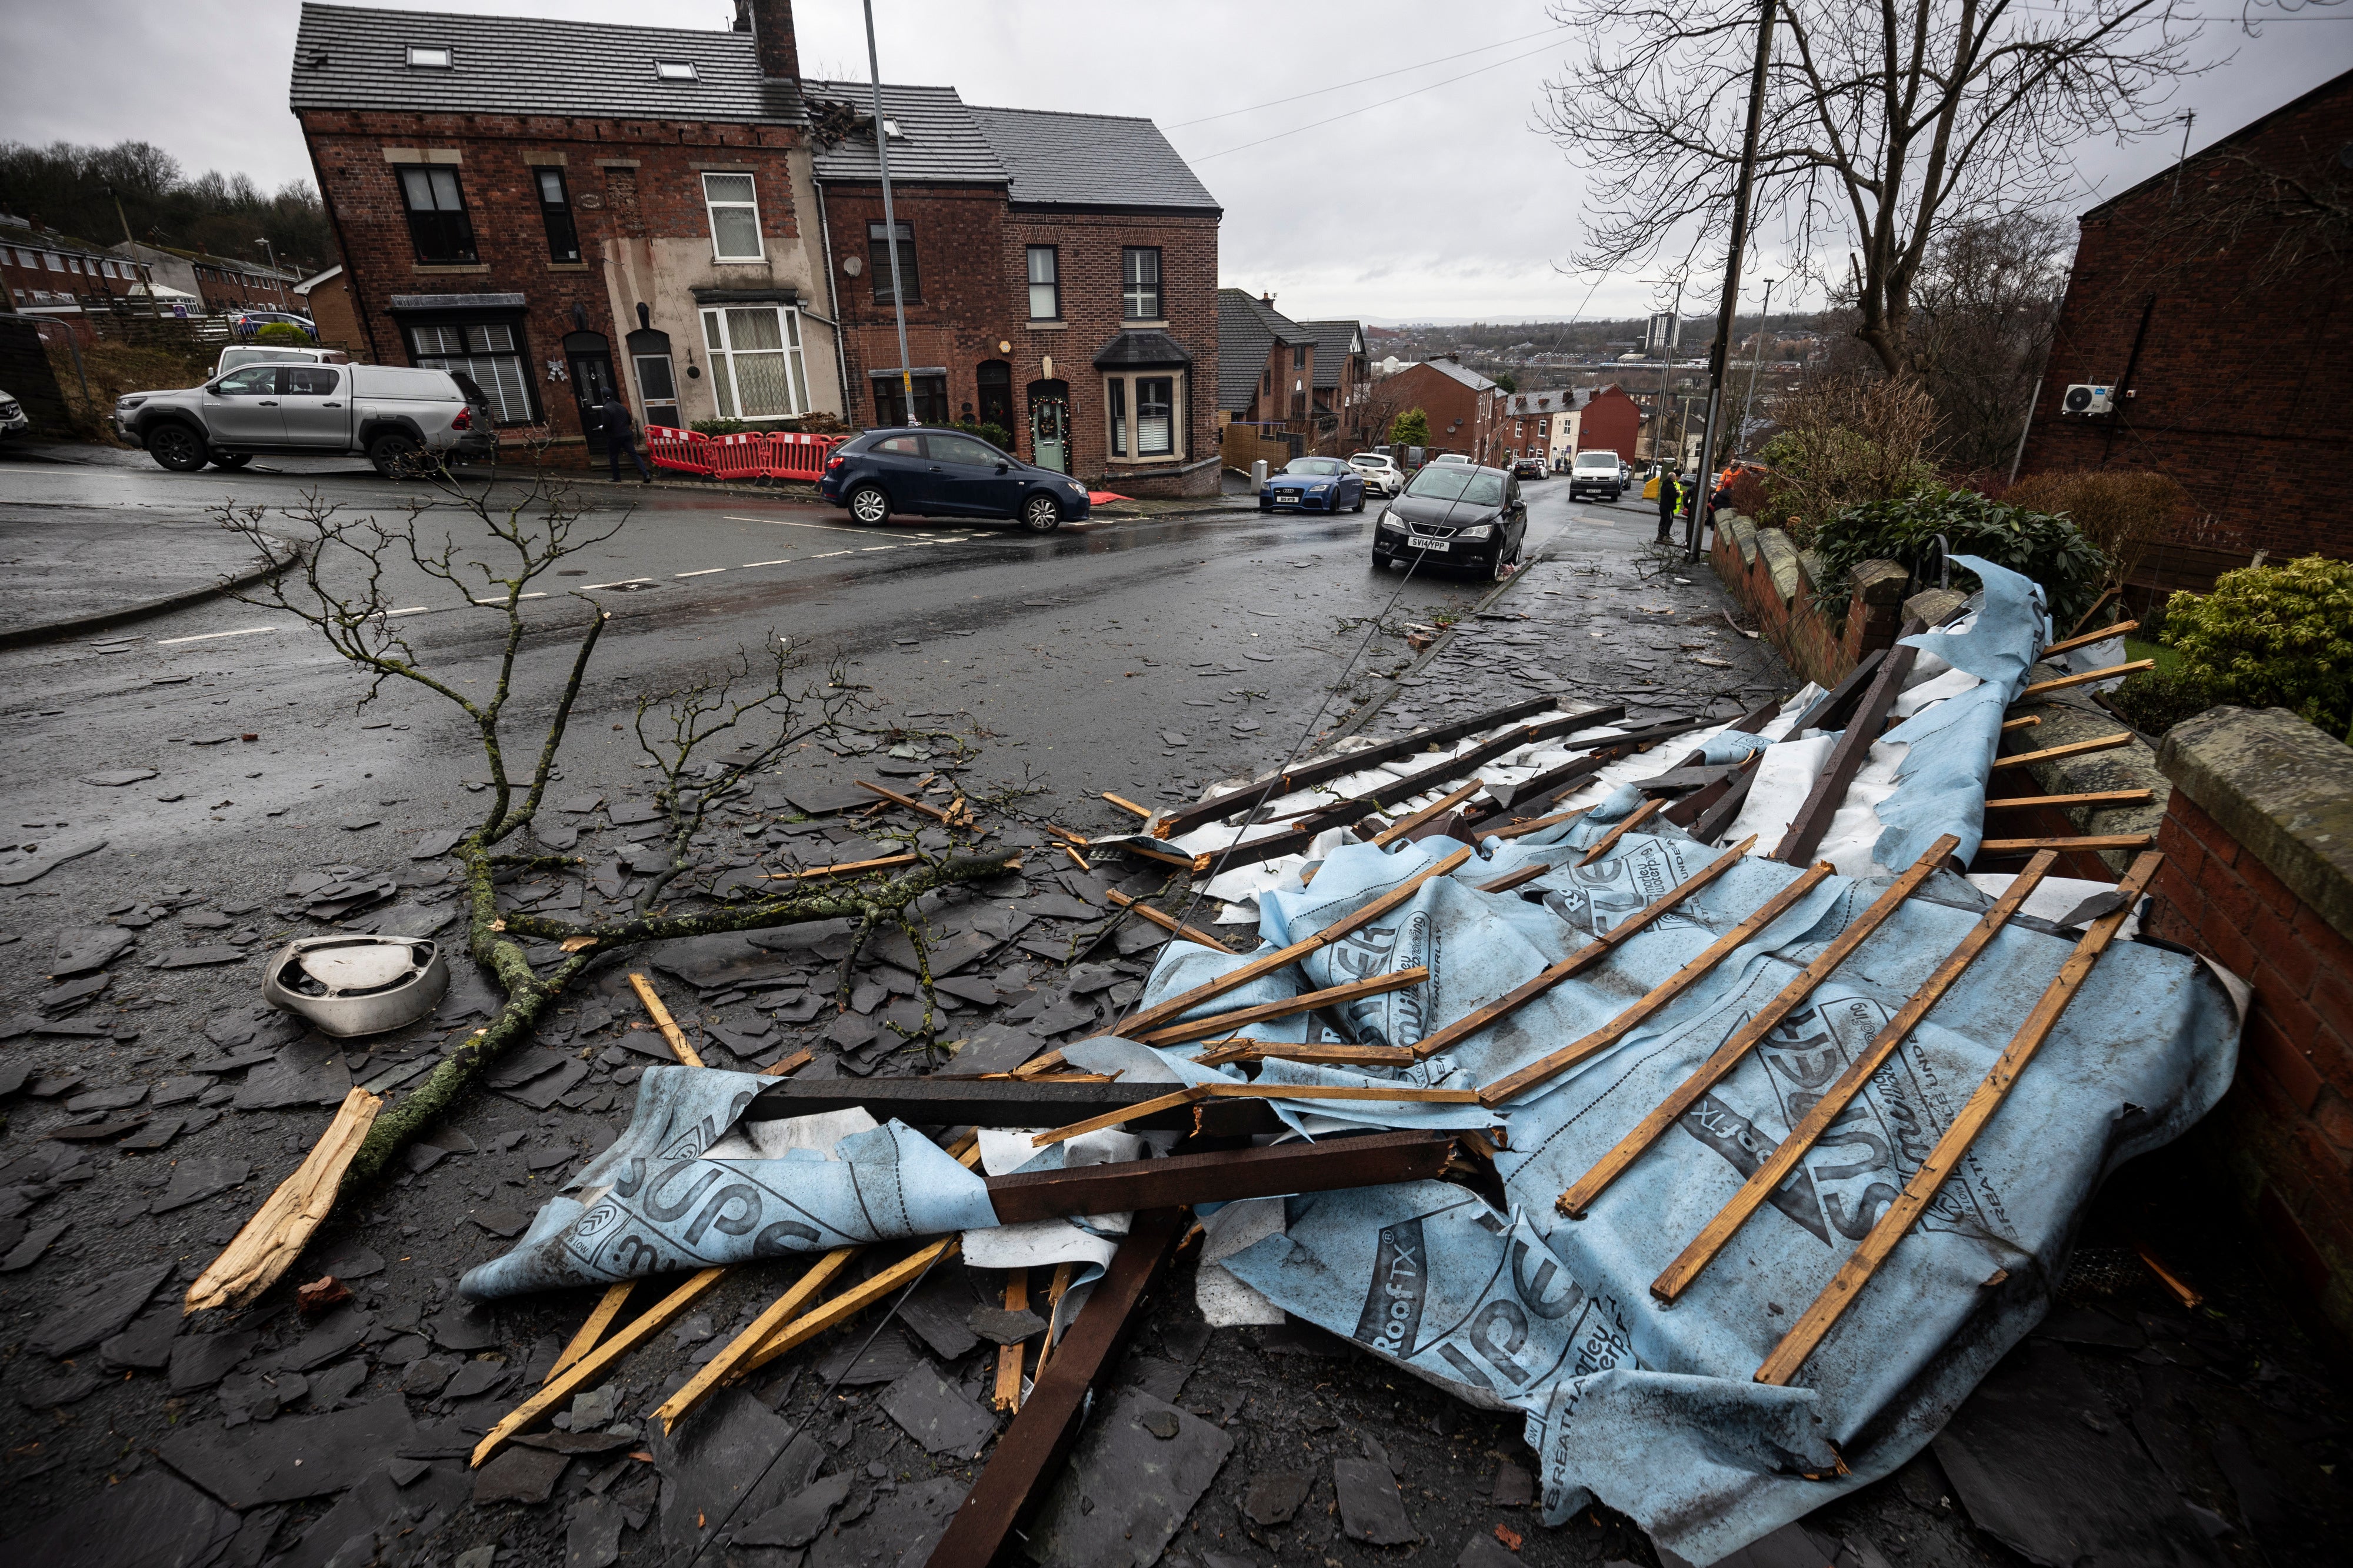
point(832, 294)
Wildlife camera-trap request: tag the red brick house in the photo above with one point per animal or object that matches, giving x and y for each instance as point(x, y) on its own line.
point(1339, 385)
point(1059, 281)
point(327, 300)
point(222, 282)
point(1461, 405)
point(560, 208)
point(46, 273)
point(1608, 421)
point(1266, 368)
point(2211, 300)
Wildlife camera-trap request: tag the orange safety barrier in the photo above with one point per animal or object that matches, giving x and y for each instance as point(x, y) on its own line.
point(794, 456)
point(739, 457)
point(684, 451)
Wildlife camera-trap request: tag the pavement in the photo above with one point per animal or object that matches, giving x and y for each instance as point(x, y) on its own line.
point(241, 785)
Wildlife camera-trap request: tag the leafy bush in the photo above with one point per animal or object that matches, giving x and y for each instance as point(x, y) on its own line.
point(2121, 512)
point(2050, 550)
point(997, 435)
point(1411, 428)
point(723, 426)
point(1844, 444)
point(285, 332)
point(2273, 637)
point(2153, 701)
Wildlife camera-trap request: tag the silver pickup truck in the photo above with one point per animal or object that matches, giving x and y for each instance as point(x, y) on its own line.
point(392, 415)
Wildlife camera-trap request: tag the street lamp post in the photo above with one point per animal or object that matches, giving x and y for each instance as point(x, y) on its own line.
point(889, 220)
point(1748, 401)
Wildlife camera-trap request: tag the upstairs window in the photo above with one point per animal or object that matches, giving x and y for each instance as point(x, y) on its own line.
point(438, 223)
point(1045, 284)
point(1299, 356)
point(555, 211)
point(423, 58)
point(878, 262)
point(735, 208)
point(675, 70)
point(1139, 298)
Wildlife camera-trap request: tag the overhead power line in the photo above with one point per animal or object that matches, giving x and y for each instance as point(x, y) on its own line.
point(1377, 75)
point(1366, 109)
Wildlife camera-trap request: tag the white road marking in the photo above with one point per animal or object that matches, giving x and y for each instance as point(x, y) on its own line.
point(706, 572)
point(624, 583)
point(873, 547)
point(411, 610)
point(749, 564)
point(783, 522)
point(494, 604)
point(831, 553)
point(207, 636)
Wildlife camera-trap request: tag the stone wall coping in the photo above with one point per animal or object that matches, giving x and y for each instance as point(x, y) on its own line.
point(1744, 534)
point(2280, 787)
point(1780, 555)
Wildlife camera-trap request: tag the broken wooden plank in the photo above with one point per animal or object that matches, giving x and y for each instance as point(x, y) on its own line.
point(2085, 676)
point(558, 1391)
point(910, 802)
point(723, 1366)
point(2029, 723)
point(1431, 812)
point(846, 1305)
point(1521, 877)
point(266, 1245)
point(785, 1067)
point(663, 1021)
point(1007, 1393)
point(1579, 1198)
point(1768, 1178)
point(1306, 1002)
point(1848, 1283)
point(1685, 813)
point(1193, 1094)
point(1167, 922)
point(1847, 757)
point(1176, 1007)
point(842, 869)
point(1831, 708)
point(2099, 797)
point(1329, 1164)
point(600, 1318)
point(1583, 959)
point(2072, 749)
point(1554, 1063)
point(1716, 819)
point(1522, 829)
point(1334, 1052)
point(938, 1101)
point(1032, 1449)
point(1125, 804)
point(2078, 841)
point(2088, 639)
point(1609, 840)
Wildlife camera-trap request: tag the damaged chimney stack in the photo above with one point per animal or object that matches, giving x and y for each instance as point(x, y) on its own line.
point(770, 23)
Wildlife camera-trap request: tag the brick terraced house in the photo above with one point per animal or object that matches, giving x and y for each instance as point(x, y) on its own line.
point(559, 209)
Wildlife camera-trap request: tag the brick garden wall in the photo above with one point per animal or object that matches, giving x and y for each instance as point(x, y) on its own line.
point(2259, 874)
point(1776, 583)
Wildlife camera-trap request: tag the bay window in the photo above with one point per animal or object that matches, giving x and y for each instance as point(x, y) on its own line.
point(1145, 414)
point(756, 370)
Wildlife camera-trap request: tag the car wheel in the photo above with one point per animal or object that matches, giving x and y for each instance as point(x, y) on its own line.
point(176, 447)
point(1041, 514)
point(231, 459)
point(870, 505)
point(395, 456)
point(1360, 502)
point(1502, 568)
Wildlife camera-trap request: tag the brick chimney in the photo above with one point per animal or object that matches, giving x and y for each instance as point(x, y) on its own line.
point(770, 23)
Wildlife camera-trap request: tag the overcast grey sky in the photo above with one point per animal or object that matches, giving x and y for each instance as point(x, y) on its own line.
point(1444, 204)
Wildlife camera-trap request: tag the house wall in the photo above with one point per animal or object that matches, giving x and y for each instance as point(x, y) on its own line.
point(2237, 389)
point(1458, 416)
point(1610, 422)
point(637, 198)
point(962, 312)
point(329, 304)
point(32, 283)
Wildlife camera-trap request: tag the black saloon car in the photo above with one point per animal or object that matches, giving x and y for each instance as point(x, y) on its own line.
point(947, 473)
point(1456, 515)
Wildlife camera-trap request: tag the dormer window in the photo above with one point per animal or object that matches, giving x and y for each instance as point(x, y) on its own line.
point(423, 58)
point(675, 70)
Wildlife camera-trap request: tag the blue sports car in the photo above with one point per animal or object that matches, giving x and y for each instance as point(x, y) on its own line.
point(1314, 484)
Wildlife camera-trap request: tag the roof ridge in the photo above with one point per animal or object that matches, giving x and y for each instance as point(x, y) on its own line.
point(538, 21)
point(1069, 114)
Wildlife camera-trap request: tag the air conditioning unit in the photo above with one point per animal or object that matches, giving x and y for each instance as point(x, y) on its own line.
point(2083, 398)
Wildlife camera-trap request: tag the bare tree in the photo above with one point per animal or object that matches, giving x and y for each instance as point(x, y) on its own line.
point(1883, 128)
point(343, 592)
point(1986, 299)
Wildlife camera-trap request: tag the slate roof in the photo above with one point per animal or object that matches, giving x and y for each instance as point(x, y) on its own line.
point(939, 141)
point(1247, 330)
point(346, 58)
point(1527, 404)
point(1453, 369)
point(1090, 160)
point(1145, 348)
point(1332, 341)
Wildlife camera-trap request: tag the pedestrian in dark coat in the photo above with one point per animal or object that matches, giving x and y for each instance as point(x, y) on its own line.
point(620, 438)
point(1671, 495)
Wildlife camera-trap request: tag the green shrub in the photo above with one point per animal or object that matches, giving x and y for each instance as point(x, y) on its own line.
point(2273, 637)
point(997, 435)
point(2155, 700)
point(1411, 428)
point(2050, 550)
point(723, 426)
point(285, 332)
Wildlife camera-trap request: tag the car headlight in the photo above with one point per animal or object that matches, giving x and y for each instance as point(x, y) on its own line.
point(1482, 531)
point(1076, 487)
point(1390, 525)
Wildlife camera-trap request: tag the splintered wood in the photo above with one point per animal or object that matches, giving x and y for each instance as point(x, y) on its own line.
point(663, 1021)
point(1817, 1321)
point(269, 1243)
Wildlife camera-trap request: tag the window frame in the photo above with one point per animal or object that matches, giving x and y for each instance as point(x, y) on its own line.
point(1053, 283)
point(524, 385)
point(1132, 287)
point(420, 58)
point(1115, 389)
point(676, 71)
point(457, 220)
point(558, 212)
point(726, 380)
point(712, 208)
point(930, 393)
point(909, 284)
point(1124, 406)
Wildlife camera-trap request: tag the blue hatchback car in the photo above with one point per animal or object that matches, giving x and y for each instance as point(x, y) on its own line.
point(1314, 484)
point(947, 473)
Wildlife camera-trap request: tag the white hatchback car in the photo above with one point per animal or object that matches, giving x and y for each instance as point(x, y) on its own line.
point(1382, 475)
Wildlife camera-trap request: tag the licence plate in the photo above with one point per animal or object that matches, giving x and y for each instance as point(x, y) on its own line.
point(1438, 544)
point(1287, 500)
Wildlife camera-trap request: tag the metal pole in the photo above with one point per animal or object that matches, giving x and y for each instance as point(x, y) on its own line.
point(1675, 330)
point(1764, 325)
point(1740, 200)
point(889, 220)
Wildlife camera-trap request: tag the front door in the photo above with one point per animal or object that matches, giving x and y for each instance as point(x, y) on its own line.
point(657, 386)
point(243, 409)
point(316, 403)
point(592, 379)
point(1049, 425)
